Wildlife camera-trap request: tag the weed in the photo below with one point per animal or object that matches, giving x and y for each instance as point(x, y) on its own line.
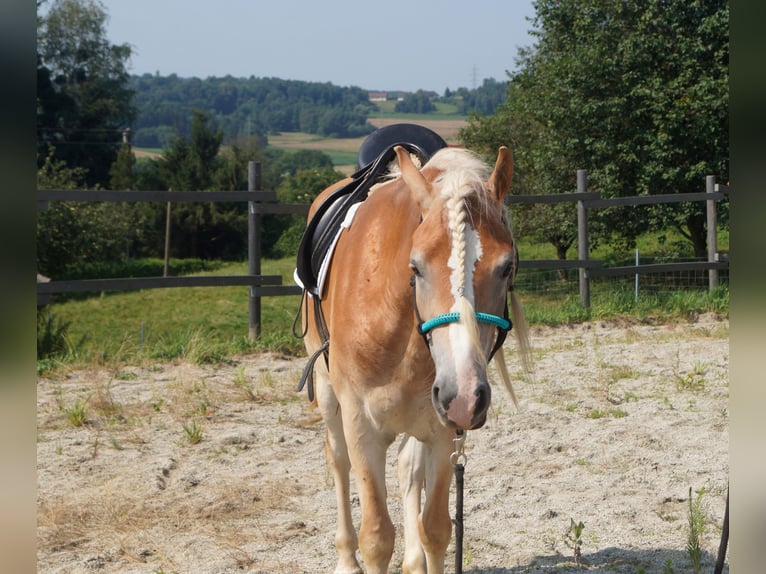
point(573, 539)
point(696, 529)
point(668, 567)
point(240, 381)
point(104, 403)
point(193, 432)
point(52, 335)
point(693, 381)
point(76, 414)
point(600, 414)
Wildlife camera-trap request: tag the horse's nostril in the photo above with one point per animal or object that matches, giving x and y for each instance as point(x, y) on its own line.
point(483, 398)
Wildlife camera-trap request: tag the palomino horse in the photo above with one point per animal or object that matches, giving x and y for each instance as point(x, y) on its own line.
point(414, 299)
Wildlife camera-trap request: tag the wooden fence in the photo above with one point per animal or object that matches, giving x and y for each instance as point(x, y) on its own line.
point(261, 202)
point(586, 200)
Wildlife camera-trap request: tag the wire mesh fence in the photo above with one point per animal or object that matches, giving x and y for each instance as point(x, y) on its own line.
point(565, 282)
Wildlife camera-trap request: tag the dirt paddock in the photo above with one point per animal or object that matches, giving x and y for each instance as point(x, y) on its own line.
point(219, 469)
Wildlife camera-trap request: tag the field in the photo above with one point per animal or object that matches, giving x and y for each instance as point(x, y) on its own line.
point(160, 467)
point(343, 150)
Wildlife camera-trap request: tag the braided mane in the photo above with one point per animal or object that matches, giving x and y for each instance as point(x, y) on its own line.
point(462, 179)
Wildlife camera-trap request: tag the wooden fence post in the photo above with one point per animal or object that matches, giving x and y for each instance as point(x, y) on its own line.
point(712, 233)
point(166, 256)
point(253, 249)
point(582, 238)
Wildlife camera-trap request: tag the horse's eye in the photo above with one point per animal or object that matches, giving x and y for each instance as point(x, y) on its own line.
point(415, 270)
point(507, 270)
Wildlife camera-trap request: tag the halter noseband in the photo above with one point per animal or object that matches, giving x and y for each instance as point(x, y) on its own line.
point(503, 324)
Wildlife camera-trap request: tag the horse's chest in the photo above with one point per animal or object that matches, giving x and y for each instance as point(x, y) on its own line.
point(396, 410)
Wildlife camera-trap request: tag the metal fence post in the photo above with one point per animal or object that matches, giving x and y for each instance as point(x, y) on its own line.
point(582, 238)
point(253, 249)
point(712, 235)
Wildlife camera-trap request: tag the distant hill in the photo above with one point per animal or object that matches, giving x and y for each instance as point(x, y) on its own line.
point(244, 107)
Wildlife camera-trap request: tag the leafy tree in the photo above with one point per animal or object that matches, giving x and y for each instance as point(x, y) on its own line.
point(301, 187)
point(189, 164)
point(483, 100)
point(637, 94)
point(416, 103)
point(71, 233)
point(83, 99)
point(121, 175)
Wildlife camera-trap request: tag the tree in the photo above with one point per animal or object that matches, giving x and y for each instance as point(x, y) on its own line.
point(637, 94)
point(72, 234)
point(121, 175)
point(417, 103)
point(82, 95)
point(189, 164)
point(303, 186)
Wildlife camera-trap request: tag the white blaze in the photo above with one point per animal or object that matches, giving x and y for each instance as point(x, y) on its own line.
point(463, 274)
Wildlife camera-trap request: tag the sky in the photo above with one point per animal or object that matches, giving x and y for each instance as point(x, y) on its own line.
point(407, 45)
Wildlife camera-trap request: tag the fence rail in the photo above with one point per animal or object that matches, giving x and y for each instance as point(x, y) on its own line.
point(263, 202)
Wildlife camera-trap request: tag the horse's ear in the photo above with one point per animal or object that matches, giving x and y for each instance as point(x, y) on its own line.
point(411, 175)
point(500, 180)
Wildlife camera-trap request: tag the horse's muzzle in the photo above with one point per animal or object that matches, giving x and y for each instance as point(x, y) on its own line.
point(460, 408)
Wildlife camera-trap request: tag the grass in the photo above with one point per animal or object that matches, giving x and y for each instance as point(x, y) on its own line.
point(199, 324)
point(443, 111)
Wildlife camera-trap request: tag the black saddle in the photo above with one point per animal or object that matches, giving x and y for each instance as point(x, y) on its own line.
point(375, 153)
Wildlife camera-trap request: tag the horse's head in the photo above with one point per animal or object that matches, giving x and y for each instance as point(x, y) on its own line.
point(463, 260)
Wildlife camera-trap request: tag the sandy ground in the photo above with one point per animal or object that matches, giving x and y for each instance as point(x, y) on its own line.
point(619, 422)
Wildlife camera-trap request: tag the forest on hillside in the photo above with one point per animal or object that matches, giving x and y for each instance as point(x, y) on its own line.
point(246, 107)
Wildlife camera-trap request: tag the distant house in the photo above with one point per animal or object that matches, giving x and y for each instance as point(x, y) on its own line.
point(377, 96)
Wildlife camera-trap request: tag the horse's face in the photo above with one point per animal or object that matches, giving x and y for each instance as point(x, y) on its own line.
point(462, 258)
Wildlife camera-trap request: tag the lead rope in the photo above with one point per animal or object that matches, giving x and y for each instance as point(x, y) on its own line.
point(458, 460)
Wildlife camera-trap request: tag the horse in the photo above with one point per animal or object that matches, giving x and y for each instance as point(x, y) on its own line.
point(413, 305)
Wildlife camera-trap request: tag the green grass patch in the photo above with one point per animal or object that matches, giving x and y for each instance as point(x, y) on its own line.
point(444, 111)
point(341, 157)
point(200, 324)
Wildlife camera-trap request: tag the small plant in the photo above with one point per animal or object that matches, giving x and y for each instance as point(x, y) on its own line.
point(193, 432)
point(573, 539)
point(693, 381)
point(668, 567)
point(76, 414)
point(52, 339)
point(696, 529)
point(241, 381)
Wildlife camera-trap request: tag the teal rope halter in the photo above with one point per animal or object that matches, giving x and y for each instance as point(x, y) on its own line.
point(453, 317)
point(503, 324)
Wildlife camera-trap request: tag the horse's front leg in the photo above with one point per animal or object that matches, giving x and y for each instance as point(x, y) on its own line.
point(435, 524)
point(412, 470)
point(367, 450)
point(336, 453)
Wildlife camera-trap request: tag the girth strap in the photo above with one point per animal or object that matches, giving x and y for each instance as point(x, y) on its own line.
point(324, 349)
